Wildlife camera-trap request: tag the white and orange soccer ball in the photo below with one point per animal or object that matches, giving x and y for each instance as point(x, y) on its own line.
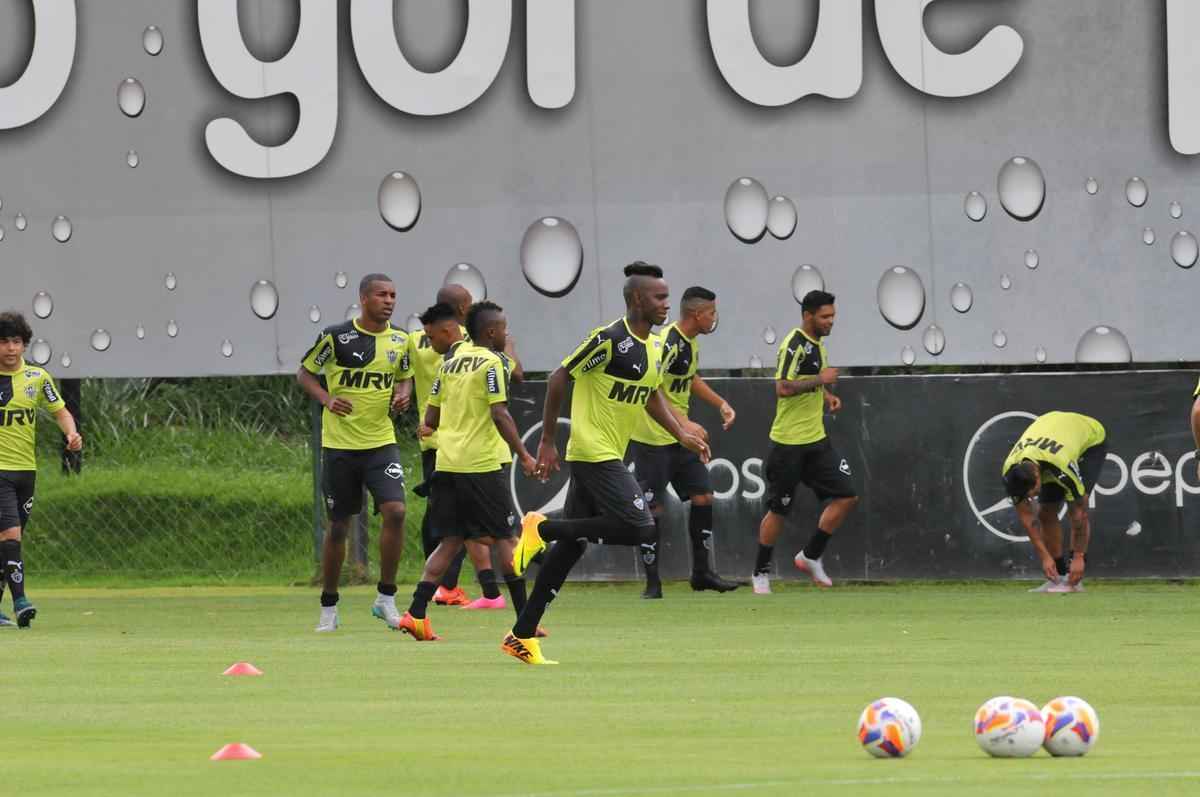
point(1009, 727)
point(889, 728)
point(1072, 726)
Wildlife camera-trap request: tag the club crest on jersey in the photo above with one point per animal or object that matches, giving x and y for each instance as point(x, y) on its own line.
point(625, 345)
point(392, 357)
point(346, 337)
point(30, 392)
point(808, 347)
point(394, 470)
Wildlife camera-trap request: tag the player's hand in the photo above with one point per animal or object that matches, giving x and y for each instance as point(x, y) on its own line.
point(693, 428)
point(400, 401)
point(424, 431)
point(339, 406)
point(1049, 568)
point(833, 402)
point(727, 416)
point(547, 460)
point(528, 464)
point(695, 443)
point(1075, 571)
point(75, 442)
point(828, 376)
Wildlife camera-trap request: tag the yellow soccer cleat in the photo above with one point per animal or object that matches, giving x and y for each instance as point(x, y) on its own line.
point(530, 543)
point(526, 650)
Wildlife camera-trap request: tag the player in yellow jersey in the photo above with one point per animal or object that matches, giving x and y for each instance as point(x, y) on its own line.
point(659, 460)
point(800, 450)
point(1058, 457)
point(366, 373)
point(426, 360)
point(617, 371)
point(24, 388)
point(470, 499)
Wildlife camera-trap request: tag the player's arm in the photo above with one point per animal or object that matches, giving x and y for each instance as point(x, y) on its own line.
point(794, 387)
point(402, 395)
point(507, 428)
point(707, 394)
point(312, 386)
point(517, 372)
point(556, 391)
point(1034, 529)
point(433, 410)
point(660, 410)
point(66, 422)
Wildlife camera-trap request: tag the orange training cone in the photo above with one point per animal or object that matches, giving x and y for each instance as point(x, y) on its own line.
point(242, 668)
point(235, 752)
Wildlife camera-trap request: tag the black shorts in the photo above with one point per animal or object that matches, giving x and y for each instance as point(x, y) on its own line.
point(428, 464)
point(472, 505)
point(344, 474)
point(657, 466)
point(817, 465)
point(1091, 462)
point(16, 497)
point(609, 489)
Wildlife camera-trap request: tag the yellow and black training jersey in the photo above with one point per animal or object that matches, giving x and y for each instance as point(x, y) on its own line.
point(683, 355)
point(1056, 441)
point(361, 367)
point(425, 364)
point(21, 393)
point(469, 382)
point(615, 372)
point(800, 419)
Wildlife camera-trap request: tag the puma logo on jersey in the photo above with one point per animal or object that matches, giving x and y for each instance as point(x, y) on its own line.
point(637, 367)
point(358, 354)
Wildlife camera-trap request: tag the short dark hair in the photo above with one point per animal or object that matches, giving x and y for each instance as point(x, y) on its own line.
point(640, 268)
point(438, 312)
point(477, 316)
point(364, 284)
point(1019, 479)
point(14, 325)
point(702, 294)
point(815, 300)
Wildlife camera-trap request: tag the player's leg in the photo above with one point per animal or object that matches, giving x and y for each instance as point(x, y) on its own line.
point(479, 549)
point(415, 621)
point(341, 478)
point(651, 468)
point(689, 477)
point(448, 592)
point(384, 477)
point(828, 474)
point(15, 506)
point(782, 472)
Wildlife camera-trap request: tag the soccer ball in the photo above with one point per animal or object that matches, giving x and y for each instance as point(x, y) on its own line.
point(889, 728)
point(1072, 726)
point(1009, 727)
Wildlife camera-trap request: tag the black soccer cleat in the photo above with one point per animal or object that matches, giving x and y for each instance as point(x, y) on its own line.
point(25, 612)
point(707, 579)
point(653, 590)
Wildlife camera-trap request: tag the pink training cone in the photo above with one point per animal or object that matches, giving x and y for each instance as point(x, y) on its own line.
point(235, 752)
point(242, 668)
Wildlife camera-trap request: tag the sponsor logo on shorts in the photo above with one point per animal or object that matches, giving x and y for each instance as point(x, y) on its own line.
point(394, 470)
point(17, 575)
point(625, 345)
point(346, 337)
point(649, 496)
point(787, 499)
point(28, 506)
point(512, 520)
point(329, 501)
point(844, 467)
point(639, 503)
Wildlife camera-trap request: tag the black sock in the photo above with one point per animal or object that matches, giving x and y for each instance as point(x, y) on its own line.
point(386, 589)
point(329, 599)
point(487, 582)
point(601, 530)
point(516, 591)
point(421, 597)
point(429, 543)
point(561, 557)
point(700, 523)
point(762, 562)
point(1060, 564)
point(650, 555)
point(816, 544)
point(14, 568)
point(450, 577)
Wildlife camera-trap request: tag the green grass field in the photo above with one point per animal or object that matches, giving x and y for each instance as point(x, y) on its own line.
point(120, 692)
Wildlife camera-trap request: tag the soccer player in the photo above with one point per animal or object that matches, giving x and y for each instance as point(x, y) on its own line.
point(800, 451)
point(363, 361)
point(617, 371)
point(23, 389)
point(426, 359)
point(659, 459)
point(470, 499)
point(1058, 457)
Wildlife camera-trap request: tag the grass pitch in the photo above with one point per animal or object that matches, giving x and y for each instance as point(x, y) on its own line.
point(120, 692)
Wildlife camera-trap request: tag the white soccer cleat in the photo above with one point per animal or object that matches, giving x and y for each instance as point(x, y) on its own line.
point(384, 608)
point(328, 621)
point(814, 568)
point(1046, 586)
point(761, 583)
point(1063, 587)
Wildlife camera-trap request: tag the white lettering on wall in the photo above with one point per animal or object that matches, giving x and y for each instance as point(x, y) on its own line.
point(49, 67)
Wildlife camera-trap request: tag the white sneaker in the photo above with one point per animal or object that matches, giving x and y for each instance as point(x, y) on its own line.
point(1064, 587)
point(814, 568)
point(385, 609)
point(1048, 585)
point(761, 583)
point(328, 621)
